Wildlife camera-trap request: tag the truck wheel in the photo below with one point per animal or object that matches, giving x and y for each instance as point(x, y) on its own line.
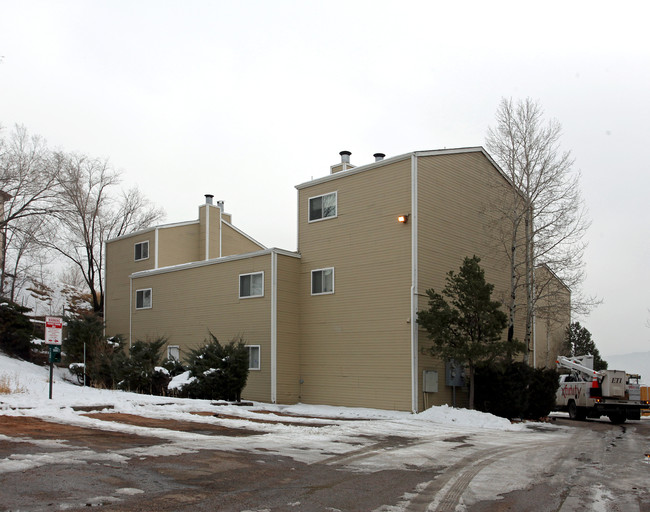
point(617, 418)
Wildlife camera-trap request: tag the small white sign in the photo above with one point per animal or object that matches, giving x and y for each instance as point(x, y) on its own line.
point(53, 330)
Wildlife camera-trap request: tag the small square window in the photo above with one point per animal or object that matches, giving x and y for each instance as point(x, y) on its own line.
point(143, 299)
point(251, 285)
point(322, 207)
point(322, 281)
point(253, 357)
point(174, 352)
point(142, 251)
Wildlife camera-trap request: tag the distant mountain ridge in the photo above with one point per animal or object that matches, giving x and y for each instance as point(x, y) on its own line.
point(635, 362)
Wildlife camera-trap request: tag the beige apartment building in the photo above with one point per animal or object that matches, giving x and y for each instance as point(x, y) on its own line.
point(334, 322)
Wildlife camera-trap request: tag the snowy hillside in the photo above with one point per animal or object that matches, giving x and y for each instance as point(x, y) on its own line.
point(637, 362)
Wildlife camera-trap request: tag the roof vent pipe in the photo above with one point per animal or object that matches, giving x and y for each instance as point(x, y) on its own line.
point(345, 157)
point(208, 198)
point(378, 156)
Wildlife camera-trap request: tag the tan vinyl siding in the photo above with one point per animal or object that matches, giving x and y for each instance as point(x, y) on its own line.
point(190, 303)
point(553, 316)
point(454, 222)
point(178, 244)
point(288, 329)
point(233, 242)
point(355, 347)
point(120, 263)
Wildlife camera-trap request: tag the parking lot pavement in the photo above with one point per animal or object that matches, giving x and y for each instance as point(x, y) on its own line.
point(214, 461)
point(58, 466)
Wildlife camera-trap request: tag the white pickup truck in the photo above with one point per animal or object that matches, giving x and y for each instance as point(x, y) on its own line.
point(587, 393)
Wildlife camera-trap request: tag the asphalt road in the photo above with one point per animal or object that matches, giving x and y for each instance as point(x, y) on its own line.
point(576, 466)
point(602, 467)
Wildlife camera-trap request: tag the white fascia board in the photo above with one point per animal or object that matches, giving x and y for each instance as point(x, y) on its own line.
point(243, 234)
point(558, 278)
point(354, 170)
point(147, 230)
point(214, 261)
point(386, 161)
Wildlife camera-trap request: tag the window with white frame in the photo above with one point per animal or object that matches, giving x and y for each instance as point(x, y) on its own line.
point(322, 281)
point(174, 352)
point(143, 299)
point(322, 207)
point(253, 357)
point(251, 285)
point(142, 251)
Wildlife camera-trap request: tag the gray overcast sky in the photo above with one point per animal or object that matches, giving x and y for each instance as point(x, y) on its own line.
point(246, 99)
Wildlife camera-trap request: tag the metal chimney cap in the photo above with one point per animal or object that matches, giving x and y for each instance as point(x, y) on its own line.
point(379, 156)
point(345, 157)
point(208, 198)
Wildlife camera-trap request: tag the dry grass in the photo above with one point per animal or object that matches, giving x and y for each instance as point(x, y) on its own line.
point(9, 385)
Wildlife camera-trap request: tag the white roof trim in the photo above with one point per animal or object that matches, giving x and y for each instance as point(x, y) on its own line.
point(243, 234)
point(153, 228)
point(386, 161)
point(214, 261)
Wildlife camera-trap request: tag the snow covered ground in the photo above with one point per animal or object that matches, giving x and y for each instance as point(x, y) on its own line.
point(319, 433)
point(31, 398)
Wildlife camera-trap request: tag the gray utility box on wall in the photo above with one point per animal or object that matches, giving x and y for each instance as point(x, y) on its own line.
point(454, 374)
point(430, 381)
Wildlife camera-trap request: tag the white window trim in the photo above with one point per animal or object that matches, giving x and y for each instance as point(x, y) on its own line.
point(150, 295)
point(251, 296)
point(259, 357)
point(141, 243)
point(311, 281)
point(336, 196)
point(178, 349)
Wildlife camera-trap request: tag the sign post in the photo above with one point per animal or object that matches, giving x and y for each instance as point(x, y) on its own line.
point(53, 338)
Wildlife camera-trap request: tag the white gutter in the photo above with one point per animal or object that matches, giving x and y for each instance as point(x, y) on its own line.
point(414, 283)
point(274, 326)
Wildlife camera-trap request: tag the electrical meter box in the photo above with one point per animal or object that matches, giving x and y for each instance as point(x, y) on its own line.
point(454, 374)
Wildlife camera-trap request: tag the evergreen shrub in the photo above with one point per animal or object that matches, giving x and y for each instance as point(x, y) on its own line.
point(515, 390)
point(15, 329)
point(220, 371)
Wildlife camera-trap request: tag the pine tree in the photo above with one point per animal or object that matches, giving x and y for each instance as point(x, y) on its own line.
point(464, 323)
point(578, 342)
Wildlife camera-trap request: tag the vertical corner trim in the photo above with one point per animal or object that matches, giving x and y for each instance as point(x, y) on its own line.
point(274, 326)
point(414, 284)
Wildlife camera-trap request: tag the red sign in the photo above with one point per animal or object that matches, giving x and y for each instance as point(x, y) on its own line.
point(53, 330)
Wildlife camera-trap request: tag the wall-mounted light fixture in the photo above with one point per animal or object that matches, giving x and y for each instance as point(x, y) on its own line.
point(403, 219)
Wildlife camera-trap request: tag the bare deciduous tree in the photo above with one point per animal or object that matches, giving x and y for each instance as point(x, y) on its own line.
point(546, 218)
point(91, 212)
point(25, 254)
point(28, 185)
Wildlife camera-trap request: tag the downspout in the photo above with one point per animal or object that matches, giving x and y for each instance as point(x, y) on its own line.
point(156, 250)
point(130, 310)
point(414, 283)
point(274, 325)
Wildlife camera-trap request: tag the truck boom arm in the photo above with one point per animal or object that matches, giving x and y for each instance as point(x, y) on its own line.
point(565, 362)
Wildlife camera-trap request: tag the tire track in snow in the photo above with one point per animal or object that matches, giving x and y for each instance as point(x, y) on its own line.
point(443, 493)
